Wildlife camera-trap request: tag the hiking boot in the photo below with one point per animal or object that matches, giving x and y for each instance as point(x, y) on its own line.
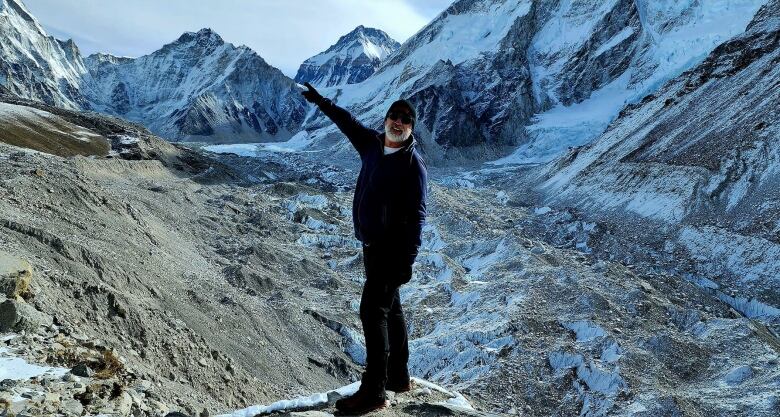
point(361, 402)
point(399, 386)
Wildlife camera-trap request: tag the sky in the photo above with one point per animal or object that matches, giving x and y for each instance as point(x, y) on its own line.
point(283, 32)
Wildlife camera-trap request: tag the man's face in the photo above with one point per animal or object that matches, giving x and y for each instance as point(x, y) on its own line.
point(396, 130)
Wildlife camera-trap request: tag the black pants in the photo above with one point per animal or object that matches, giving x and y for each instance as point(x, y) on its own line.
point(384, 327)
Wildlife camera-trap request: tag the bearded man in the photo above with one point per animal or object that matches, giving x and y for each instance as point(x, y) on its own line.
point(388, 213)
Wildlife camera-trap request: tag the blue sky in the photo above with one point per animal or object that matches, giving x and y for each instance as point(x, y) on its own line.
point(283, 32)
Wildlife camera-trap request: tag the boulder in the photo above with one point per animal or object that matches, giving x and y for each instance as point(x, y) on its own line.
point(18, 315)
point(82, 370)
point(9, 316)
point(15, 276)
point(72, 407)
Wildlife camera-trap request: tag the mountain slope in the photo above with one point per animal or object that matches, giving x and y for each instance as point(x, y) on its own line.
point(40, 130)
point(196, 88)
point(219, 295)
point(699, 159)
point(199, 88)
point(37, 66)
point(351, 60)
point(487, 75)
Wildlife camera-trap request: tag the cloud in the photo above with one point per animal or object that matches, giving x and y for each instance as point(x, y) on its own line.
point(284, 33)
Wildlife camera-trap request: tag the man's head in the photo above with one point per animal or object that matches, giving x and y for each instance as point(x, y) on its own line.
point(399, 121)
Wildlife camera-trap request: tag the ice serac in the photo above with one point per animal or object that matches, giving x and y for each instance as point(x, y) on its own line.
point(351, 60)
point(701, 157)
point(36, 66)
point(489, 75)
point(199, 88)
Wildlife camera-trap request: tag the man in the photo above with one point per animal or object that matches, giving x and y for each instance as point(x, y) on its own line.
point(388, 213)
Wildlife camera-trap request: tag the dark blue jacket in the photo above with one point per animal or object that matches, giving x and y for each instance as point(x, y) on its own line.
point(389, 203)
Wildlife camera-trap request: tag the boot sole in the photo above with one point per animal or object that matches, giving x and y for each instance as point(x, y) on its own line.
point(364, 410)
point(400, 390)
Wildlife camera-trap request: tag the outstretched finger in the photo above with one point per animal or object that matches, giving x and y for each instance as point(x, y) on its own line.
point(307, 85)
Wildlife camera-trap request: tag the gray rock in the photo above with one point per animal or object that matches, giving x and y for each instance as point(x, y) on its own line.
point(72, 407)
point(334, 396)
point(82, 370)
point(19, 316)
point(7, 384)
point(8, 316)
point(124, 404)
point(69, 377)
point(15, 276)
point(143, 385)
point(160, 408)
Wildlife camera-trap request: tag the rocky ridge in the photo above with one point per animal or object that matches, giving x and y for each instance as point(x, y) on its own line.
point(35, 65)
point(164, 336)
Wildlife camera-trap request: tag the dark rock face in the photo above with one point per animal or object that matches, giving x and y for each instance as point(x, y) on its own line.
point(121, 98)
point(195, 120)
point(591, 67)
point(351, 60)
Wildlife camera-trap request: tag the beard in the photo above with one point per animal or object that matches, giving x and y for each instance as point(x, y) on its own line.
point(394, 137)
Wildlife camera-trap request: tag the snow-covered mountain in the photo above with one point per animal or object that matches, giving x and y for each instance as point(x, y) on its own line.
point(702, 155)
point(351, 60)
point(486, 76)
point(542, 74)
point(37, 66)
point(199, 88)
point(196, 88)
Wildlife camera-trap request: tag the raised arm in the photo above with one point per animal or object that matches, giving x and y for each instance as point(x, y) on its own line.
point(359, 135)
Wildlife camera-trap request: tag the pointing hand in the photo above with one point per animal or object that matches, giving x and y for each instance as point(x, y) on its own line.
point(311, 95)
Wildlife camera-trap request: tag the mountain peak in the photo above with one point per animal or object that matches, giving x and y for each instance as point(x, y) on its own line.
point(352, 59)
point(376, 35)
point(206, 32)
point(203, 35)
point(18, 8)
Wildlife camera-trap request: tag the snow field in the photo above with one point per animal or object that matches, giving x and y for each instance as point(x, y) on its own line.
point(15, 368)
